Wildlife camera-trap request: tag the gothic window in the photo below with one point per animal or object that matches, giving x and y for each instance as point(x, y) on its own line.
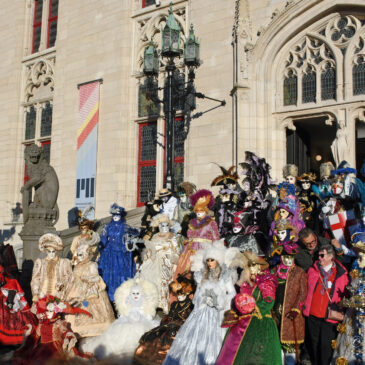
point(147, 162)
point(179, 151)
point(44, 9)
point(46, 120)
point(309, 86)
point(30, 123)
point(290, 89)
point(328, 83)
point(358, 76)
point(148, 3)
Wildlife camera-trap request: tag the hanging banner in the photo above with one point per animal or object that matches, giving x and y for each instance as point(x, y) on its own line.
point(87, 144)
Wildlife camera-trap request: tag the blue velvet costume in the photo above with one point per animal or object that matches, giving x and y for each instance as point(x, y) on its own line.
point(116, 263)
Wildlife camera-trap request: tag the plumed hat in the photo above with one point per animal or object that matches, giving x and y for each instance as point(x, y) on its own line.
point(325, 169)
point(50, 240)
point(288, 204)
point(307, 177)
point(358, 242)
point(202, 200)
point(160, 218)
point(229, 176)
point(290, 169)
point(184, 284)
point(83, 220)
point(115, 209)
point(187, 188)
point(285, 187)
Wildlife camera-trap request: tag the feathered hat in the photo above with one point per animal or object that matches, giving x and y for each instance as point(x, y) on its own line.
point(229, 176)
point(184, 284)
point(358, 242)
point(50, 240)
point(160, 218)
point(115, 209)
point(83, 220)
point(307, 177)
point(202, 200)
point(283, 224)
point(290, 170)
point(186, 188)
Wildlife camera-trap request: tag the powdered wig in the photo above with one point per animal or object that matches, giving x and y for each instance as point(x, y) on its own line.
point(160, 218)
point(149, 295)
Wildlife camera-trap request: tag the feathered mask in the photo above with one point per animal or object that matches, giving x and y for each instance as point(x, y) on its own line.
point(115, 209)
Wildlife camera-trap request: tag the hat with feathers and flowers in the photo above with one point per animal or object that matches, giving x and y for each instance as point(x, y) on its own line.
point(202, 200)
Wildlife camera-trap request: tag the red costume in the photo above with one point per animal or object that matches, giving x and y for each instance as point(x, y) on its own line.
point(52, 338)
point(15, 312)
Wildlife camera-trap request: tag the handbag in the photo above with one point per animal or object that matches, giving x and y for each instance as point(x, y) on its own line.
point(333, 315)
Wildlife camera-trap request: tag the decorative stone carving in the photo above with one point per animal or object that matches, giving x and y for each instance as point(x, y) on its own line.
point(39, 79)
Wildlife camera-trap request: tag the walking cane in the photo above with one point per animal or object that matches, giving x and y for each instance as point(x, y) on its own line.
point(296, 343)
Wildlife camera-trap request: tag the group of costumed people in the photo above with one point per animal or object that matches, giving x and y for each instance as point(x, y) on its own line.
point(261, 273)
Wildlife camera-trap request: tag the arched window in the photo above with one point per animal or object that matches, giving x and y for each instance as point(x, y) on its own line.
point(309, 88)
point(328, 83)
point(358, 76)
point(290, 89)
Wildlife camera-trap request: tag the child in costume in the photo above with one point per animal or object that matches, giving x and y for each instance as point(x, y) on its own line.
point(116, 263)
point(52, 339)
point(200, 337)
point(136, 301)
point(253, 336)
point(154, 344)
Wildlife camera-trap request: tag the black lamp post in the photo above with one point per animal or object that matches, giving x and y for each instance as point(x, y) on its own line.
point(170, 50)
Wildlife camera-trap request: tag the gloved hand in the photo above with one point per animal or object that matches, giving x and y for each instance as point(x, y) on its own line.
point(292, 314)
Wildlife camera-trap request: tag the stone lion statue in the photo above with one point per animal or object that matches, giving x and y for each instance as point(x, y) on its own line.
point(43, 178)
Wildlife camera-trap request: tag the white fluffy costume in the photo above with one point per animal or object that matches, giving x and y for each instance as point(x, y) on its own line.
point(199, 339)
point(136, 301)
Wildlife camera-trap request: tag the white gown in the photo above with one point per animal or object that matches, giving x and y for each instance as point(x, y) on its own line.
point(200, 338)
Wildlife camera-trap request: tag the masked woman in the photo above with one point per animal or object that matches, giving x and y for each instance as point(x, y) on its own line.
point(199, 339)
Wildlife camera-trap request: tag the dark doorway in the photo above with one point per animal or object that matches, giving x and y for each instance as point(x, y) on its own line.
point(310, 144)
point(360, 146)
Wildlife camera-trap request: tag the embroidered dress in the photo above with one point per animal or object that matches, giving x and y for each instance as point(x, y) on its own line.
point(254, 339)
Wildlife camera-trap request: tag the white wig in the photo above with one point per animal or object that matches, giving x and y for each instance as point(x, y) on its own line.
point(216, 251)
point(149, 296)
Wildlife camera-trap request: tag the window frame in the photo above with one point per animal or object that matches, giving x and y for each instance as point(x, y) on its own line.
point(50, 21)
point(36, 25)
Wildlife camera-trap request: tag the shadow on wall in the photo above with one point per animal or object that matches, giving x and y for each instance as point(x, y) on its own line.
point(6, 234)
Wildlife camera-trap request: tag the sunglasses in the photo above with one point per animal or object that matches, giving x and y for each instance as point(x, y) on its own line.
point(210, 260)
point(321, 255)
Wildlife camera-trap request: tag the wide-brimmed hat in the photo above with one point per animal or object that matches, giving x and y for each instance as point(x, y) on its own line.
point(164, 192)
point(50, 240)
point(202, 200)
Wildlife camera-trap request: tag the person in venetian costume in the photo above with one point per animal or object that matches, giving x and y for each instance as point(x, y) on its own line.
point(52, 273)
point(202, 230)
point(290, 295)
point(350, 343)
point(116, 263)
point(199, 339)
point(51, 340)
point(252, 337)
point(155, 344)
point(136, 302)
point(86, 289)
point(161, 256)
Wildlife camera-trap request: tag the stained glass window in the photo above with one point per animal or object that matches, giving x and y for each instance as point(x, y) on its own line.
point(147, 162)
point(358, 77)
point(328, 84)
point(30, 122)
point(37, 25)
point(46, 146)
point(46, 120)
point(290, 89)
point(309, 87)
point(52, 22)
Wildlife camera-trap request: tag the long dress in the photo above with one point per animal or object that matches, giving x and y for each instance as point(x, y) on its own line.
point(89, 287)
point(159, 268)
point(254, 339)
point(200, 338)
point(200, 232)
point(116, 263)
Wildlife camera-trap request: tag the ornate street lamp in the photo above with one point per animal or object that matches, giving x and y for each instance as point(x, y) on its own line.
point(150, 60)
point(192, 49)
point(171, 37)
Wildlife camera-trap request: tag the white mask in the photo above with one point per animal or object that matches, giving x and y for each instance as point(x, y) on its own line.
point(281, 235)
point(361, 260)
point(237, 229)
point(136, 294)
point(51, 253)
point(200, 214)
point(164, 227)
point(290, 179)
point(116, 218)
point(181, 297)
